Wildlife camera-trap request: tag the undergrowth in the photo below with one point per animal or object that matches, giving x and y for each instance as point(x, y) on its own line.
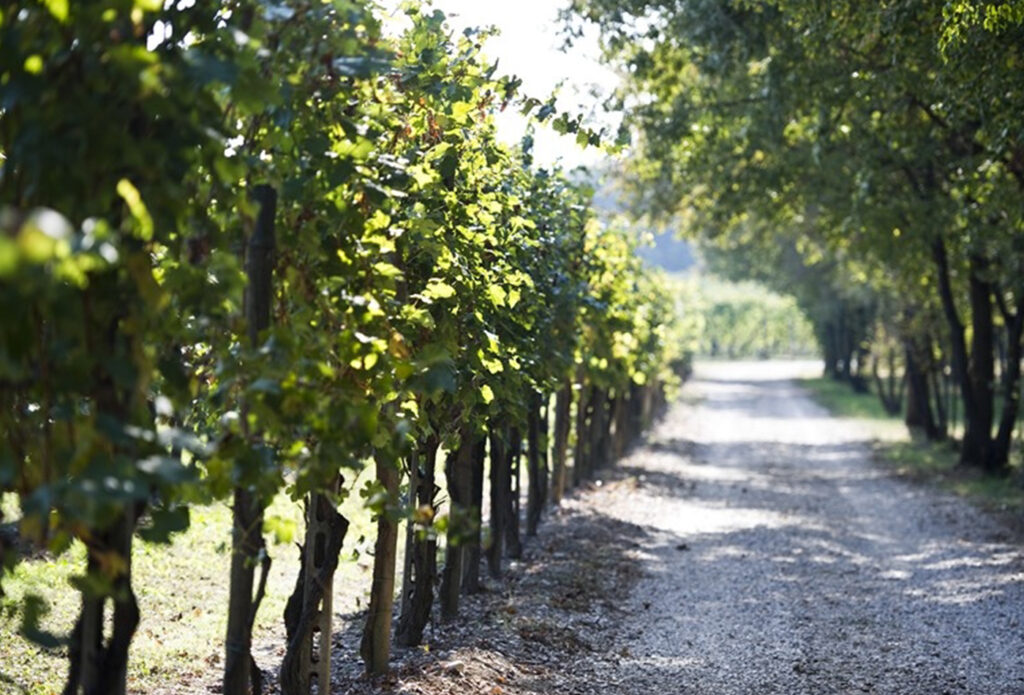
point(915, 458)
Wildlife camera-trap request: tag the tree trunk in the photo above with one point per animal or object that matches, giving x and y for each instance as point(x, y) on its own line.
point(999, 454)
point(919, 411)
point(458, 469)
point(958, 343)
point(599, 422)
point(247, 534)
point(412, 523)
point(514, 453)
point(636, 411)
point(376, 643)
point(581, 458)
point(536, 463)
point(978, 439)
point(563, 406)
point(620, 438)
point(501, 503)
point(422, 547)
point(246, 547)
point(830, 346)
point(471, 567)
point(99, 666)
point(941, 398)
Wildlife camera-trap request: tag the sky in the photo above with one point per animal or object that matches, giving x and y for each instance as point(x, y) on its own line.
point(529, 46)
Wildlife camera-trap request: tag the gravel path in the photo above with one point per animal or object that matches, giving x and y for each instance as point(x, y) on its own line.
point(779, 559)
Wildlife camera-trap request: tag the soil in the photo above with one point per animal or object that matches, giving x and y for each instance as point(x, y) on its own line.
point(750, 545)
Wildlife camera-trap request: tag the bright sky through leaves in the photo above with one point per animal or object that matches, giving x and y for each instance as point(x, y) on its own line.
point(529, 45)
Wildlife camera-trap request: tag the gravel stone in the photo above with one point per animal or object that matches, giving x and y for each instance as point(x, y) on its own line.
point(808, 569)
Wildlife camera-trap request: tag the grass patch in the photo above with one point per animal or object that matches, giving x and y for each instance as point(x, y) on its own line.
point(843, 401)
point(182, 589)
point(937, 462)
point(918, 459)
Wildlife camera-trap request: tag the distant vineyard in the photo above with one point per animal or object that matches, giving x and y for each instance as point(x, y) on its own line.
point(743, 320)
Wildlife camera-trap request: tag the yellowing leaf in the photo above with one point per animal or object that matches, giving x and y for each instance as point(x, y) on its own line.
point(370, 360)
point(58, 8)
point(423, 176)
point(461, 111)
point(438, 289)
point(387, 270)
point(379, 220)
point(138, 209)
point(34, 64)
point(397, 346)
point(8, 256)
point(486, 393)
point(497, 295)
point(492, 366)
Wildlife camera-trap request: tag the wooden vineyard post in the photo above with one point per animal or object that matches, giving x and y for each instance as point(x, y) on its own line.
point(247, 547)
point(306, 667)
point(315, 652)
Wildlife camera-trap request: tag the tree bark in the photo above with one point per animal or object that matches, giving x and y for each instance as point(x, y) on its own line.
point(636, 411)
point(599, 422)
point(536, 463)
point(422, 547)
point(999, 454)
point(458, 468)
point(514, 453)
point(246, 545)
point(563, 406)
point(98, 666)
point(919, 415)
point(307, 646)
point(500, 502)
point(620, 439)
point(978, 439)
point(375, 647)
point(247, 534)
point(581, 467)
point(471, 568)
point(958, 347)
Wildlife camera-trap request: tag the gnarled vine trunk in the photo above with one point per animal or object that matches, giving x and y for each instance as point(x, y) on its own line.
point(560, 446)
point(421, 548)
point(501, 490)
point(98, 665)
point(471, 567)
point(307, 615)
point(537, 461)
point(458, 469)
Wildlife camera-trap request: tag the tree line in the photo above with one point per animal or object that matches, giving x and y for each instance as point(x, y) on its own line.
point(250, 248)
point(867, 158)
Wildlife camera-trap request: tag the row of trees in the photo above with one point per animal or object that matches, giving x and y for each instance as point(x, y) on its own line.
point(867, 158)
point(249, 248)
